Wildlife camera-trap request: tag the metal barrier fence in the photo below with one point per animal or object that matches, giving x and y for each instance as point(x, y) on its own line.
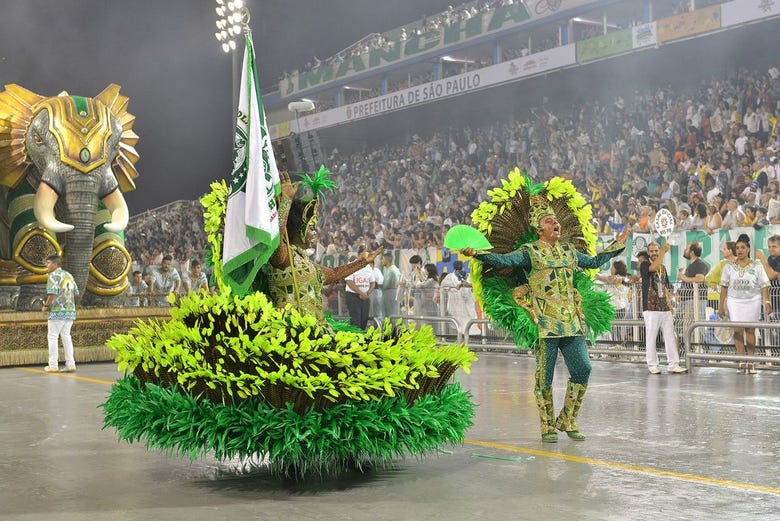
point(697, 355)
point(436, 323)
point(701, 336)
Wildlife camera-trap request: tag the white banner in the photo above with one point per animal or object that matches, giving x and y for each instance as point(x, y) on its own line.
point(453, 86)
point(742, 11)
point(644, 35)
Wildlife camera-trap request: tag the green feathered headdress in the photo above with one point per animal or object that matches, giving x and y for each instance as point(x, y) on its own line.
point(319, 182)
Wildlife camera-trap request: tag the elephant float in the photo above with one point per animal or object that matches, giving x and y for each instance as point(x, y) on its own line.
point(64, 163)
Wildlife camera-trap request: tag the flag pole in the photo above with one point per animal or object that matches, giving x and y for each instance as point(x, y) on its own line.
point(236, 70)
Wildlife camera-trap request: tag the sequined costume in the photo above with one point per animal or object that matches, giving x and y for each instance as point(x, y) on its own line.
point(555, 305)
point(538, 289)
point(293, 278)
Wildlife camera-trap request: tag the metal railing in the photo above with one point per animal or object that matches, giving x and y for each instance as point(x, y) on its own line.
point(696, 357)
point(432, 321)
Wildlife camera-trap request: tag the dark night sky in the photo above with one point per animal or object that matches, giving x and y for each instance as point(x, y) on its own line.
point(164, 55)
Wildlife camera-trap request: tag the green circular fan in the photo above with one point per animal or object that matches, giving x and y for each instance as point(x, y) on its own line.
point(463, 236)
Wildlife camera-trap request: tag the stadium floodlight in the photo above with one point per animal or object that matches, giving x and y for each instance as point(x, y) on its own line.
point(232, 16)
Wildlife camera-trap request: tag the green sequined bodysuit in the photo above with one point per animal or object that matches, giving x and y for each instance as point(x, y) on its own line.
point(309, 280)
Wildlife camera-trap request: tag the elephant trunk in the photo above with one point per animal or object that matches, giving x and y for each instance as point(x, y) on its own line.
point(78, 207)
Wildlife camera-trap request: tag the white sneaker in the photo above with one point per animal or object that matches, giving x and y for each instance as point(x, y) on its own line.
point(678, 370)
point(68, 369)
point(50, 369)
point(654, 370)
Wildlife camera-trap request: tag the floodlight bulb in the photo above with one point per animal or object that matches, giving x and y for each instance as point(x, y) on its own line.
point(218, 35)
point(226, 47)
point(238, 4)
point(220, 2)
point(230, 6)
point(230, 30)
point(220, 11)
point(237, 29)
point(232, 44)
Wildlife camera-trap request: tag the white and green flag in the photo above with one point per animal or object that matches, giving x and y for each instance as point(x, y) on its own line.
point(251, 219)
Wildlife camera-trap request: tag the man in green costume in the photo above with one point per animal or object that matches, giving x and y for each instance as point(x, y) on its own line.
point(553, 302)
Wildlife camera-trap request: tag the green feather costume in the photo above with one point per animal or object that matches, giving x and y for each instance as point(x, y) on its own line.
point(538, 289)
point(237, 376)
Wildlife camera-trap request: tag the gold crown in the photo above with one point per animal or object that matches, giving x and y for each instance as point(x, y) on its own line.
point(540, 208)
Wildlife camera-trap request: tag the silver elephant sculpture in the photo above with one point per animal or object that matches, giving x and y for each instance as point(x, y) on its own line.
point(64, 163)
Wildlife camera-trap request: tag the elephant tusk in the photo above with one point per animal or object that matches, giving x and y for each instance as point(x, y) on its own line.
point(116, 205)
point(43, 208)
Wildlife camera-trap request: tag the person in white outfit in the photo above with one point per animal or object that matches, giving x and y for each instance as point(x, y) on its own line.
point(657, 309)
point(377, 308)
point(61, 292)
point(460, 297)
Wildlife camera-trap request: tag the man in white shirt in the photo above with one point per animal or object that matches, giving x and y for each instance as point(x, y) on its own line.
point(166, 281)
point(740, 142)
point(360, 285)
point(734, 217)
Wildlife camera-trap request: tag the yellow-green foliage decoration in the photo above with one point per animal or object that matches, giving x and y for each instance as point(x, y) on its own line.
point(215, 204)
point(228, 349)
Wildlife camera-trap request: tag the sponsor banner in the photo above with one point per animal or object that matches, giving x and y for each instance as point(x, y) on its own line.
point(689, 24)
point(605, 45)
point(743, 11)
point(453, 86)
point(644, 35)
point(279, 131)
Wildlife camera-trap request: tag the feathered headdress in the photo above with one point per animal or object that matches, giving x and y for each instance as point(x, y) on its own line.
point(319, 182)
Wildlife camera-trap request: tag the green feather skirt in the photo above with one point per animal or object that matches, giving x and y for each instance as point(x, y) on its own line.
point(362, 434)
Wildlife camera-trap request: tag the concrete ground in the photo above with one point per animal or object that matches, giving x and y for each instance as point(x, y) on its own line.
point(701, 446)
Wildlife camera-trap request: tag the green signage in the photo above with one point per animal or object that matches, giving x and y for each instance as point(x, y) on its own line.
point(604, 45)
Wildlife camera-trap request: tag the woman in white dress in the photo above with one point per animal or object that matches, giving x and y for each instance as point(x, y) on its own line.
point(743, 286)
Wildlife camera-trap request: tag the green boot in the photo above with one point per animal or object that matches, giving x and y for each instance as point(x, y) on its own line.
point(567, 419)
point(544, 402)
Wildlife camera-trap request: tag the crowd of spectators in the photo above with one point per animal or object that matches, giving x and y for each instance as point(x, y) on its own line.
point(709, 155)
point(175, 229)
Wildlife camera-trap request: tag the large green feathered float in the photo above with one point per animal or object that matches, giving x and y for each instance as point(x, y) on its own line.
point(504, 221)
point(237, 377)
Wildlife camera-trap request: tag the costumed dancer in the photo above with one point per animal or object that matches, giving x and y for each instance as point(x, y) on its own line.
point(547, 283)
point(293, 278)
point(266, 374)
